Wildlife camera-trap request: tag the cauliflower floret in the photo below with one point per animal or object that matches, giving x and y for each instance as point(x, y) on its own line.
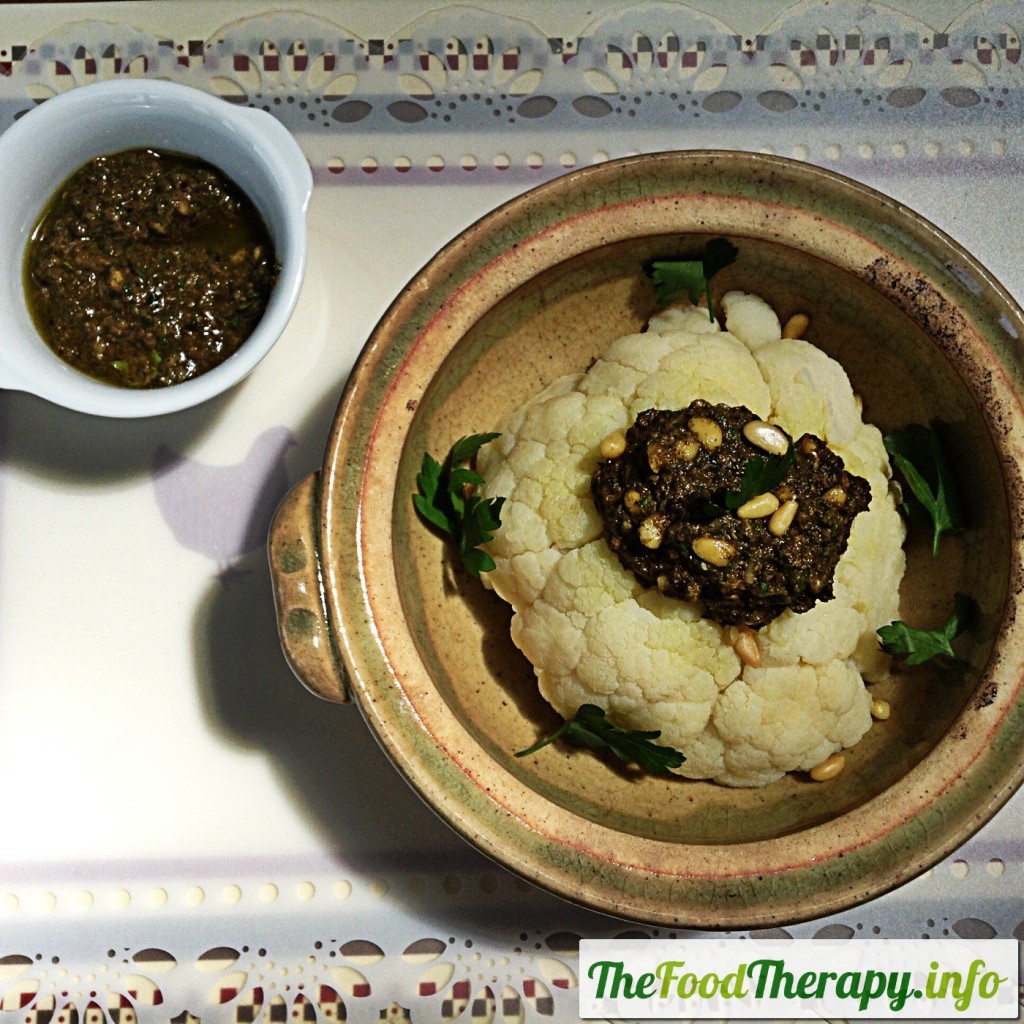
point(789, 718)
point(715, 367)
point(683, 318)
point(811, 393)
point(750, 319)
point(595, 635)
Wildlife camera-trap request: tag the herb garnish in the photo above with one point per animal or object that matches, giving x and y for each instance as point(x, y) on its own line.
point(917, 454)
point(760, 474)
point(673, 278)
point(919, 645)
point(590, 728)
point(447, 499)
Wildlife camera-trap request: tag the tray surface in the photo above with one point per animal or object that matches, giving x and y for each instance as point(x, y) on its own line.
point(186, 829)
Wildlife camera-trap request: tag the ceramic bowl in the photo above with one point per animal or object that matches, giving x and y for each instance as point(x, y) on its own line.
point(45, 146)
point(369, 607)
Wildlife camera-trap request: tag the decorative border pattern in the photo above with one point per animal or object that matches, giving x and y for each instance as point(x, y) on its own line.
point(465, 90)
point(300, 952)
point(333, 981)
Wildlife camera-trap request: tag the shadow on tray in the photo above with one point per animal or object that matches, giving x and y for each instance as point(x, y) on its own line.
point(328, 759)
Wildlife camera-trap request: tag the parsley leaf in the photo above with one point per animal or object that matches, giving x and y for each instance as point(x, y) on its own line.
point(915, 451)
point(919, 645)
point(760, 474)
point(429, 483)
point(590, 728)
point(673, 278)
point(447, 499)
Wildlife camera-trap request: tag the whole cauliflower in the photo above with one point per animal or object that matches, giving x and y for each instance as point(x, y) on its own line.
point(595, 635)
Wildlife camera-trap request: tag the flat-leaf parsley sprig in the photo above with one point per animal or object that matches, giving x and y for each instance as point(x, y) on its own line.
point(675, 278)
point(917, 454)
point(447, 499)
point(590, 728)
point(920, 645)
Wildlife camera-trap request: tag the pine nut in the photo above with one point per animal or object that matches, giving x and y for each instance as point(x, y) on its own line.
point(713, 550)
point(613, 445)
point(747, 649)
point(631, 499)
point(759, 506)
point(707, 431)
point(835, 496)
point(829, 768)
point(655, 456)
point(687, 450)
point(766, 437)
point(651, 531)
point(796, 325)
point(880, 710)
point(782, 518)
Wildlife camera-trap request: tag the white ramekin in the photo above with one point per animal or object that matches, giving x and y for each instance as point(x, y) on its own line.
point(42, 149)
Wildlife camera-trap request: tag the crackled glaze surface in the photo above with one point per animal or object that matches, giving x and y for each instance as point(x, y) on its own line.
point(534, 291)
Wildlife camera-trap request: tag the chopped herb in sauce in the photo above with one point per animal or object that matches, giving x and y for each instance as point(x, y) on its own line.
point(148, 268)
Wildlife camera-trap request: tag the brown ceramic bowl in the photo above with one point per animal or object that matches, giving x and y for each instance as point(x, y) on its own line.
point(370, 608)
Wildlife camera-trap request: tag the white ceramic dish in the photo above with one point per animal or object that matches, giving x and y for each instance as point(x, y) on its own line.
point(41, 150)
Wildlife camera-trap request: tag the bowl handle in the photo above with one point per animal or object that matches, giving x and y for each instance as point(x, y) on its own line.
point(298, 594)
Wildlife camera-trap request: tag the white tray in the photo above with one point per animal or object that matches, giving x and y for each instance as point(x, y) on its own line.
point(184, 827)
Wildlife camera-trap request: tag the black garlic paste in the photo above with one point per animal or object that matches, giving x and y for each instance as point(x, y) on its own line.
point(711, 505)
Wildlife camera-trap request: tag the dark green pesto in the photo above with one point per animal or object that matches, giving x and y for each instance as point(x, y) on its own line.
point(688, 500)
point(148, 268)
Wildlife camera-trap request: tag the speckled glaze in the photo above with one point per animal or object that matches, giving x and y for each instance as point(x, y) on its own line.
point(371, 608)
